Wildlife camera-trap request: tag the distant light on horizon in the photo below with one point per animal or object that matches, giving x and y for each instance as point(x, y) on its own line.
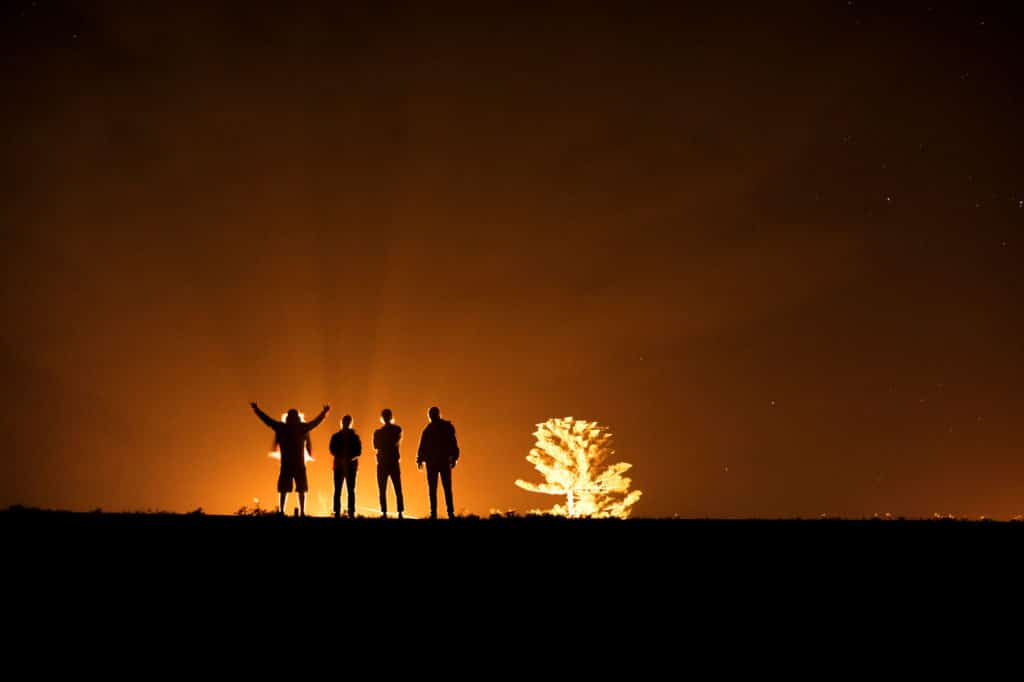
point(569, 454)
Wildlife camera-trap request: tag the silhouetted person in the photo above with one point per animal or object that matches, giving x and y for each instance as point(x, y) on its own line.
point(439, 451)
point(385, 442)
point(346, 447)
point(292, 436)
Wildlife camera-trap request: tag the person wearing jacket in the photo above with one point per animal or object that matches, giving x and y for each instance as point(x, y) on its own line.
point(439, 450)
point(385, 442)
point(346, 448)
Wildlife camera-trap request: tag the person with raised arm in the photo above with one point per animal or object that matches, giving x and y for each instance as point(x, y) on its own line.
point(291, 436)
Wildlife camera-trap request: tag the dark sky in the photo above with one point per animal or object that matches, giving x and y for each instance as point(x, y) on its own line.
point(776, 247)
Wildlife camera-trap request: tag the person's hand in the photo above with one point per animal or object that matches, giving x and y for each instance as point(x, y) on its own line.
point(327, 407)
point(254, 406)
point(419, 466)
point(451, 462)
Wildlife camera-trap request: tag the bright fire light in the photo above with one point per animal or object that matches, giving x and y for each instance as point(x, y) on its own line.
point(569, 454)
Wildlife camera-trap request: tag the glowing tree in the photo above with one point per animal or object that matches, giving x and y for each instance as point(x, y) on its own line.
point(570, 454)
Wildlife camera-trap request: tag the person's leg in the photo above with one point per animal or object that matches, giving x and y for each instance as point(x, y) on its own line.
point(301, 487)
point(338, 476)
point(446, 483)
point(382, 488)
point(432, 490)
point(284, 486)
point(396, 478)
point(350, 479)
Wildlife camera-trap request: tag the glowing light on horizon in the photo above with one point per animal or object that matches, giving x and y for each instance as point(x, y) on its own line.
point(570, 454)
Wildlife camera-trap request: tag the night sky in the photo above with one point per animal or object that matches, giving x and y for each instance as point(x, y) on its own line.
point(775, 247)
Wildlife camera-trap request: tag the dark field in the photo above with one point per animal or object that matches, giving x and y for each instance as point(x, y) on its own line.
point(501, 572)
point(614, 544)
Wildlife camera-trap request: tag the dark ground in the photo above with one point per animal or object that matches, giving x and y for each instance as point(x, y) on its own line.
point(520, 595)
point(473, 546)
point(514, 581)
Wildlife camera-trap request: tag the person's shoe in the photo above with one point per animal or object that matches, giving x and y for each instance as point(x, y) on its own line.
point(399, 514)
point(433, 517)
point(383, 515)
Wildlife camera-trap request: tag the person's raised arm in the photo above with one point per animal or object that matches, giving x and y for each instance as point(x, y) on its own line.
point(319, 418)
point(264, 417)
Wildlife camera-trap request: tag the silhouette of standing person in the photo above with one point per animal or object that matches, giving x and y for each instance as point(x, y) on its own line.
point(291, 436)
point(385, 442)
point(346, 447)
point(439, 451)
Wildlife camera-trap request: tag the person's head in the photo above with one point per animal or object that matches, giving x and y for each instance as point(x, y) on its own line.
point(434, 413)
point(346, 421)
point(292, 417)
point(385, 416)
